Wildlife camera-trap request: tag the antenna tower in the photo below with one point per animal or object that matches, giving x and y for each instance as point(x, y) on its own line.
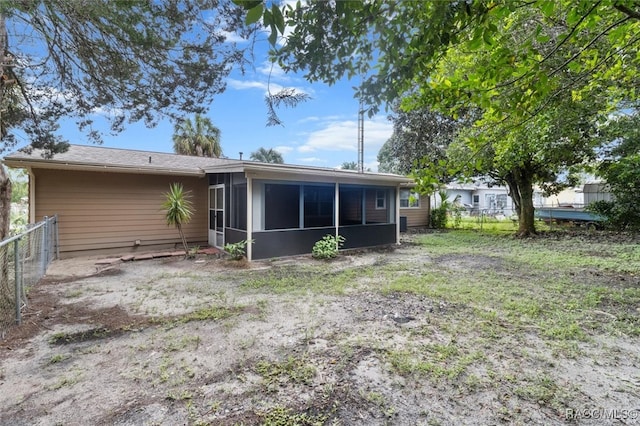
point(361, 138)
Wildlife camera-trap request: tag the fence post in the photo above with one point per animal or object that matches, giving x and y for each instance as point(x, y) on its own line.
point(45, 245)
point(57, 236)
point(18, 280)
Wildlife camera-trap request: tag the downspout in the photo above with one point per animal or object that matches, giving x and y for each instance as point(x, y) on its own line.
point(336, 208)
point(397, 209)
point(32, 195)
point(249, 218)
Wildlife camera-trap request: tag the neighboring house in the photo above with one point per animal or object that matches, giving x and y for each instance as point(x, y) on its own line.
point(109, 200)
point(567, 197)
point(576, 197)
point(479, 198)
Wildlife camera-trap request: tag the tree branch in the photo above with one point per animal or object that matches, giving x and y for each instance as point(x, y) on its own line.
point(627, 11)
point(591, 43)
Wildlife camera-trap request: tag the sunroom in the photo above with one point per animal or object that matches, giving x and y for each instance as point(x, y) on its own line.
point(285, 209)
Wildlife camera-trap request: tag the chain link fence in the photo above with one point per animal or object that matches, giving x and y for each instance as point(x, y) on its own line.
point(23, 261)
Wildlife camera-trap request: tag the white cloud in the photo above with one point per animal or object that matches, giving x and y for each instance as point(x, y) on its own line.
point(260, 85)
point(343, 136)
point(274, 70)
point(283, 149)
point(247, 84)
point(231, 37)
point(311, 160)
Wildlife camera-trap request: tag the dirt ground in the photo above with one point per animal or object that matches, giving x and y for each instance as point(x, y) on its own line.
point(175, 341)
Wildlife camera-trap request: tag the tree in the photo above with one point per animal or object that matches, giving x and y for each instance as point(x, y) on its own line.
point(419, 135)
point(5, 204)
point(126, 61)
point(267, 156)
point(397, 46)
point(198, 137)
point(19, 184)
point(349, 165)
point(620, 168)
point(352, 165)
point(178, 210)
point(516, 62)
point(543, 152)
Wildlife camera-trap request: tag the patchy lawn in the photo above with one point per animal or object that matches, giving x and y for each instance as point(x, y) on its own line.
point(449, 328)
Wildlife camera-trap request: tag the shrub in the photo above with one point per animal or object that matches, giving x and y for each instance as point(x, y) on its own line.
point(327, 247)
point(237, 250)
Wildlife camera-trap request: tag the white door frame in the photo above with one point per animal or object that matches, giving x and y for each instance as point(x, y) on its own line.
point(216, 236)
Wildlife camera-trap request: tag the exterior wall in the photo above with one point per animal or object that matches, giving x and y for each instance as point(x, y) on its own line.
point(596, 192)
point(360, 236)
point(372, 213)
point(508, 209)
point(106, 212)
point(465, 196)
point(417, 216)
point(268, 244)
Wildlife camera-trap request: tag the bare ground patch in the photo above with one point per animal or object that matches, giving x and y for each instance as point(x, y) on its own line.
point(179, 342)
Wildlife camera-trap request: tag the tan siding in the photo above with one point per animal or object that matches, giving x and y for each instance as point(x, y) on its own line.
point(98, 211)
point(417, 216)
point(373, 214)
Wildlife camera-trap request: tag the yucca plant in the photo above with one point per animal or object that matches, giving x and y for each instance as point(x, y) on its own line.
point(178, 209)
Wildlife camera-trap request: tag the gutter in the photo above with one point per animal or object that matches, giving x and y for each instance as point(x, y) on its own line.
point(48, 164)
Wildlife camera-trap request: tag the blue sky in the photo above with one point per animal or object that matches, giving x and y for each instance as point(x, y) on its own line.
point(319, 132)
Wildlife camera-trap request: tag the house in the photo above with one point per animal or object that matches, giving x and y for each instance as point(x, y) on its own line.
point(576, 197)
point(478, 197)
point(109, 200)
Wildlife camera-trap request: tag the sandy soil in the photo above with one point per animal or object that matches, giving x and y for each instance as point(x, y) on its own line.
point(116, 345)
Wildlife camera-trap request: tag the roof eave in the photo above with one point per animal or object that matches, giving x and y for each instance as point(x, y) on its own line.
point(19, 163)
point(252, 168)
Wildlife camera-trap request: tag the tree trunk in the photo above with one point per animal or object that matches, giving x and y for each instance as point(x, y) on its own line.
point(514, 193)
point(526, 224)
point(5, 203)
point(520, 185)
point(5, 183)
point(184, 240)
point(524, 182)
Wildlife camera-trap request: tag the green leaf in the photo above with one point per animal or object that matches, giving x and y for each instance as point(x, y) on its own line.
point(267, 18)
point(573, 17)
point(476, 42)
point(548, 7)
point(254, 14)
point(488, 39)
point(273, 37)
point(543, 38)
point(278, 18)
point(247, 4)
point(574, 66)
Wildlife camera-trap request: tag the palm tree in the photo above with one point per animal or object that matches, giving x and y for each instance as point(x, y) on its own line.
point(198, 137)
point(178, 210)
point(349, 165)
point(267, 156)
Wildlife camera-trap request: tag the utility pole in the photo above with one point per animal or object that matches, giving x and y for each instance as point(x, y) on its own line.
point(361, 138)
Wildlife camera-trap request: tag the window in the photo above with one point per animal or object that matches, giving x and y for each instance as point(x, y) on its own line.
point(501, 201)
point(318, 206)
point(239, 218)
point(490, 201)
point(409, 199)
point(281, 206)
point(381, 199)
point(350, 205)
